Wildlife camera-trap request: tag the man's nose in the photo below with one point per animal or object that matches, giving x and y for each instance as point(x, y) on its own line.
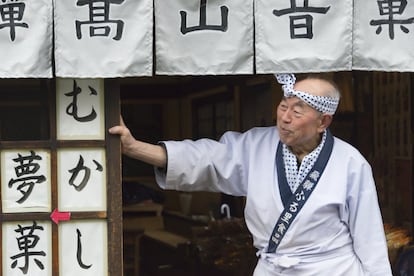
point(286, 116)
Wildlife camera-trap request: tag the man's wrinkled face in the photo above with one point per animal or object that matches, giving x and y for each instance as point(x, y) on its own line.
point(298, 123)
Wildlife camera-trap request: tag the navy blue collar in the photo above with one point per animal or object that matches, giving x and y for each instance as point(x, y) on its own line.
point(293, 203)
point(320, 163)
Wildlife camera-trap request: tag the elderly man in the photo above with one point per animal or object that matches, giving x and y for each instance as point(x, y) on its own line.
point(311, 202)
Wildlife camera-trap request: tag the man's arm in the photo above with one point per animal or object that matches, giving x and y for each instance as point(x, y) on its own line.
point(149, 153)
point(365, 222)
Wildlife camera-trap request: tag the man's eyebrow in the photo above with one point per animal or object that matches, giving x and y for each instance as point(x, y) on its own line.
point(300, 103)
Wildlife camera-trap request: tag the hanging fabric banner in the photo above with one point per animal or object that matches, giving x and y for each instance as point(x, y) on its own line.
point(103, 38)
point(384, 35)
point(204, 37)
point(26, 39)
point(303, 36)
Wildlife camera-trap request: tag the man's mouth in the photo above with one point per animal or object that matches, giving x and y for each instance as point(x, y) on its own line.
point(285, 130)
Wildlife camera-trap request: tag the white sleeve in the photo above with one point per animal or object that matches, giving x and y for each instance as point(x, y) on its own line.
point(365, 222)
point(206, 165)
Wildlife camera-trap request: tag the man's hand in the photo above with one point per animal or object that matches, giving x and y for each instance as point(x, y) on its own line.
point(127, 140)
point(148, 153)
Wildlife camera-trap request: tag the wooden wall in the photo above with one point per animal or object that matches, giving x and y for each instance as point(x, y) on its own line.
point(385, 133)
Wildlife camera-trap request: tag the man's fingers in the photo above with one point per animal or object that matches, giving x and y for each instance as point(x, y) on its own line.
point(122, 121)
point(117, 130)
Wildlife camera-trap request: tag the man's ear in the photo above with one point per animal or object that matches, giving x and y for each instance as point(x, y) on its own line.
point(326, 121)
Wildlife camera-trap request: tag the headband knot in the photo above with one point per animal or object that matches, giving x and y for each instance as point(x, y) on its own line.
point(323, 104)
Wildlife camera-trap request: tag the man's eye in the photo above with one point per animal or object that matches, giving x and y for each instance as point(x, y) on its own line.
point(298, 112)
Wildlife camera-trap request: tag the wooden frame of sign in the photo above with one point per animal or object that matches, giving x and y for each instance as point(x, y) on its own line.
point(60, 231)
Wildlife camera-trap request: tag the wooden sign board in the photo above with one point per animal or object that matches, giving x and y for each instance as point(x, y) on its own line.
point(61, 204)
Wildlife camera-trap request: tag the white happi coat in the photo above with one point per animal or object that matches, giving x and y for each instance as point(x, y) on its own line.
point(339, 231)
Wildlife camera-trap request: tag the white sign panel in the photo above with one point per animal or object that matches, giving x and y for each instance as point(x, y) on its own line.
point(82, 180)
point(80, 109)
point(103, 39)
point(204, 37)
point(83, 248)
point(384, 35)
point(25, 181)
point(27, 248)
point(303, 36)
point(26, 39)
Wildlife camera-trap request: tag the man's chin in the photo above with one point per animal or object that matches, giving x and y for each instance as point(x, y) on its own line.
point(285, 141)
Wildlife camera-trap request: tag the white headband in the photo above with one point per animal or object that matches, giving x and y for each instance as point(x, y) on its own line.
point(323, 104)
